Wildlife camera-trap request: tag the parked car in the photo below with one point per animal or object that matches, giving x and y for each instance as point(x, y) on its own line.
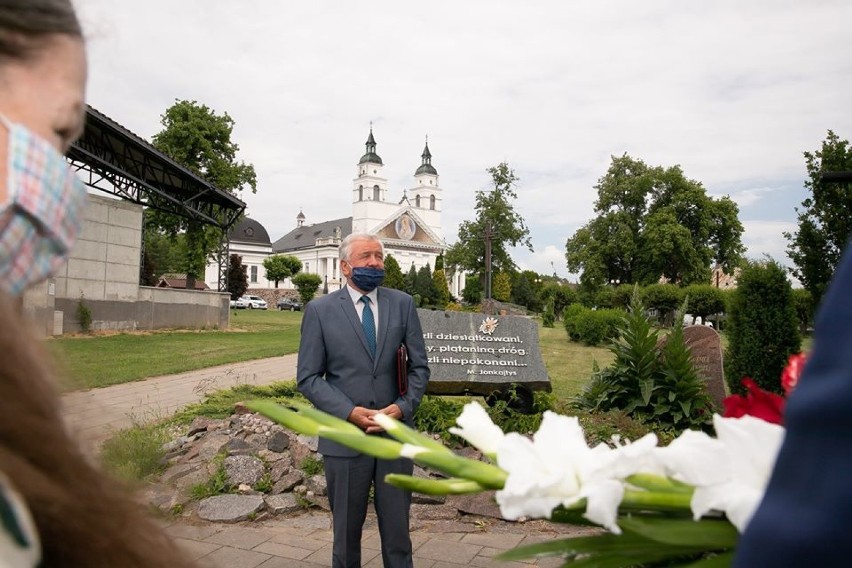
point(239, 304)
point(288, 304)
point(255, 302)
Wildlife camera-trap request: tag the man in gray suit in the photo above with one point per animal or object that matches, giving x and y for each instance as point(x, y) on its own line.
point(348, 367)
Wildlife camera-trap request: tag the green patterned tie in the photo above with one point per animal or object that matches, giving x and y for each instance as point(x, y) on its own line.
point(369, 324)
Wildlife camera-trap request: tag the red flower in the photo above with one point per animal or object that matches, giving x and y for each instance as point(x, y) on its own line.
point(757, 402)
point(792, 372)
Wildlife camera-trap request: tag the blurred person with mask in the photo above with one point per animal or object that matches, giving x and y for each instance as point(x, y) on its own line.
point(56, 508)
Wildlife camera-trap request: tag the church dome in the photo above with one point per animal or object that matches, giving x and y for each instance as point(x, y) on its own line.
point(426, 169)
point(370, 156)
point(249, 231)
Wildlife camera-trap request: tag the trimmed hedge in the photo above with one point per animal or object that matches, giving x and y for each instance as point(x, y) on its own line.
point(591, 327)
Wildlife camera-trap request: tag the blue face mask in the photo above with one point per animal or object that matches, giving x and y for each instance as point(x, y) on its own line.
point(367, 278)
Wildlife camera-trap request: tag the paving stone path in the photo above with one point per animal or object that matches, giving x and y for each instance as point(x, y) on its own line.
point(303, 539)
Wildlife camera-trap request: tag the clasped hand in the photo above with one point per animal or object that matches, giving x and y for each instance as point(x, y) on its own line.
point(363, 417)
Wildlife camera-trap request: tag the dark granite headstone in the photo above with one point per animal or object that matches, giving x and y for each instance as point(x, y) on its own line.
point(478, 354)
point(706, 347)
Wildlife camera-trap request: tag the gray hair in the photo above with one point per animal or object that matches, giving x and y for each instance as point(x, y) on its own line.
point(346, 245)
point(25, 25)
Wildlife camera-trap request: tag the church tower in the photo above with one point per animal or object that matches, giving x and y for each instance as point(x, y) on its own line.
point(369, 190)
point(426, 195)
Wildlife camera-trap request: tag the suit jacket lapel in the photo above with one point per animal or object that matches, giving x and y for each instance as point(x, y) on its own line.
point(349, 309)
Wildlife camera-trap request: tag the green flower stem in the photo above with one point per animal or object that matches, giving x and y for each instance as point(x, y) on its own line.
point(286, 417)
point(453, 486)
point(659, 483)
point(375, 446)
point(408, 435)
point(324, 418)
point(487, 475)
point(655, 501)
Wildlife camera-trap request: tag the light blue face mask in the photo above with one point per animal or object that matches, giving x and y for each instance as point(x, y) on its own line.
point(41, 216)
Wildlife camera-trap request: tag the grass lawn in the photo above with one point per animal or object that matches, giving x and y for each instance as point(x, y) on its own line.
point(99, 360)
point(569, 364)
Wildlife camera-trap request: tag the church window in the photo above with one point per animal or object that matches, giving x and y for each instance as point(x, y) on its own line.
point(375, 193)
point(374, 172)
point(254, 274)
point(307, 268)
point(432, 202)
point(360, 193)
point(430, 182)
point(417, 201)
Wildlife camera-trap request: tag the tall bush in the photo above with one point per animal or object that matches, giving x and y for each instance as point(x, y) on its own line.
point(664, 298)
point(591, 327)
point(763, 330)
point(655, 385)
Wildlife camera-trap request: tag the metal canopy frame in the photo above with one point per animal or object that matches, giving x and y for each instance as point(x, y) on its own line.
point(114, 160)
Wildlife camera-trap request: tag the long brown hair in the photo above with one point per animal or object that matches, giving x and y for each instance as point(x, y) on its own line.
point(84, 518)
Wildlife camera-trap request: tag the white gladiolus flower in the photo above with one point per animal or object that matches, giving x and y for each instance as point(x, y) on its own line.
point(730, 473)
point(558, 468)
point(477, 428)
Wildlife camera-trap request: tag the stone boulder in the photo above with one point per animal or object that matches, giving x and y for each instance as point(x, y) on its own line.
point(230, 508)
point(246, 470)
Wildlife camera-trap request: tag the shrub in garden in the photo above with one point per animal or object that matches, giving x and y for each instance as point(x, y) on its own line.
point(704, 300)
point(591, 327)
point(763, 330)
point(654, 385)
point(665, 298)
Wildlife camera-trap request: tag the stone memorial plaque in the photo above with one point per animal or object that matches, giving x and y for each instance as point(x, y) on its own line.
point(705, 344)
point(471, 353)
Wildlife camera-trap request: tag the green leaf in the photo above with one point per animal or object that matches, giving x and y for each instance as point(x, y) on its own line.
point(603, 551)
point(647, 388)
point(705, 533)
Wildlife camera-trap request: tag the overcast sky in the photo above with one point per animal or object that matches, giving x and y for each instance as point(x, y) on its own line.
point(732, 91)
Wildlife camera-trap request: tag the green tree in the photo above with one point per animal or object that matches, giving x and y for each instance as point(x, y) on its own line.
point(393, 275)
point(502, 287)
point(442, 290)
point(526, 290)
point(804, 303)
point(439, 262)
point(664, 298)
point(560, 296)
point(411, 281)
point(825, 224)
point(472, 292)
point(199, 139)
point(237, 277)
point(307, 285)
point(281, 266)
point(762, 327)
point(425, 285)
point(704, 300)
point(652, 222)
point(494, 209)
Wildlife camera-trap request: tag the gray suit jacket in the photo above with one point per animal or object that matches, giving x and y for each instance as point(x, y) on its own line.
point(335, 370)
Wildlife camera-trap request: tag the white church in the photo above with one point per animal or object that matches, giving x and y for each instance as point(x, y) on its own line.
point(410, 228)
